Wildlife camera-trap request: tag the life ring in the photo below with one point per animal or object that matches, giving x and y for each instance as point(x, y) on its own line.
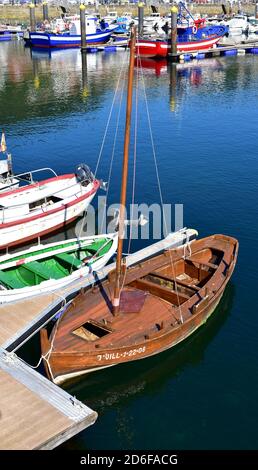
point(194, 29)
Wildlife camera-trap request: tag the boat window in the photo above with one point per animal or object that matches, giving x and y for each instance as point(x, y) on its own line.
point(44, 202)
point(91, 331)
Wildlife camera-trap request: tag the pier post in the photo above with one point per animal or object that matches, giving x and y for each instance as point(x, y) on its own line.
point(173, 51)
point(256, 10)
point(32, 17)
point(83, 27)
point(140, 18)
point(45, 11)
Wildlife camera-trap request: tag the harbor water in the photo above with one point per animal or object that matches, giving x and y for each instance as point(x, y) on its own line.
point(203, 393)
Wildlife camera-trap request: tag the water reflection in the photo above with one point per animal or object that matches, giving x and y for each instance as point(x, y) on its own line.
point(52, 83)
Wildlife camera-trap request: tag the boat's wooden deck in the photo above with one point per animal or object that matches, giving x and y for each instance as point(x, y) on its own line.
point(137, 324)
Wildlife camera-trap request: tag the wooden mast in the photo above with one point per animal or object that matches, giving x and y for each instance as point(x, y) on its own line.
point(116, 299)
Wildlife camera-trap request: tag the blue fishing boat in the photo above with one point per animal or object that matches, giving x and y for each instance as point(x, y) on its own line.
point(94, 35)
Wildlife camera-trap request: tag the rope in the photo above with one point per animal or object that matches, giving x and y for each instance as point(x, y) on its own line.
point(102, 146)
point(187, 246)
point(46, 356)
point(109, 117)
point(113, 151)
point(159, 187)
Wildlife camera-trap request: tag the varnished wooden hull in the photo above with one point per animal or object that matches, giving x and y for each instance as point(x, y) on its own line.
point(132, 337)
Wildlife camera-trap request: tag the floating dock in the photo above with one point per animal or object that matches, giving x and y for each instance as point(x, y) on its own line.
point(220, 50)
point(35, 413)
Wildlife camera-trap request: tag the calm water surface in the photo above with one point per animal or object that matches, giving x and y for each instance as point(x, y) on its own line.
point(202, 394)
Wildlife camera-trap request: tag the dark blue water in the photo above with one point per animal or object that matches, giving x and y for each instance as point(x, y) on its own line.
point(202, 394)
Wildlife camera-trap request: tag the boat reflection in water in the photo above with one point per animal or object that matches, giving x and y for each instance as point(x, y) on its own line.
point(160, 67)
point(192, 73)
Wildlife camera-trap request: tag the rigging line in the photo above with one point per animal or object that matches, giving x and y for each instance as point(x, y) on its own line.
point(110, 114)
point(110, 169)
point(113, 150)
point(159, 187)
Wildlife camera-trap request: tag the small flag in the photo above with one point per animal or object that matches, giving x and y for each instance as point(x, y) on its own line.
point(3, 146)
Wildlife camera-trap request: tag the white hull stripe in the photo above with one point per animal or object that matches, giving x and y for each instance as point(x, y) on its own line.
point(67, 38)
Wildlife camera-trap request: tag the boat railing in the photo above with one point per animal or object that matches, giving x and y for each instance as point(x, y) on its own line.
point(27, 176)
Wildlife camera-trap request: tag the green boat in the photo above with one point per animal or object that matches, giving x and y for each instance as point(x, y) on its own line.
point(46, 268)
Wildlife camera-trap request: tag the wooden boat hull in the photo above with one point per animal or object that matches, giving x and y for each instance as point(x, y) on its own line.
point(112, 356)
point(137, 339)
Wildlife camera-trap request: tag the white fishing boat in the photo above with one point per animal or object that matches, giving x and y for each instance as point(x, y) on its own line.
point(45, 206)
point(51, 267)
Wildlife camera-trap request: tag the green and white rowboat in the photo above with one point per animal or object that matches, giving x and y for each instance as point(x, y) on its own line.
point(50, 267)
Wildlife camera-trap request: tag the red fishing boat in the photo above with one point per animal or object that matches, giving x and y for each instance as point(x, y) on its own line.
point(160, 48)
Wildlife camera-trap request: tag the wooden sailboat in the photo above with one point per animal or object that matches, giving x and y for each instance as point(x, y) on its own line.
point(144, 310)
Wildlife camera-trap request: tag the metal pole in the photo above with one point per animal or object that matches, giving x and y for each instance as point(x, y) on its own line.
point(256, 10)
point(173, 50)
point(140, 18)
point(116, 299)
point(45, 11)
point(83, 27)
point(32, 17)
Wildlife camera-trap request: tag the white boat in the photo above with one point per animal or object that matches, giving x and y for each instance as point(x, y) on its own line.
point(238, 25)
point(45, 206)
point(153, 22)
point(51, 267)
point(111, 17)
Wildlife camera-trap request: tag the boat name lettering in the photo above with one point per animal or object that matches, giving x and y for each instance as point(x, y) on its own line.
point(110, 356)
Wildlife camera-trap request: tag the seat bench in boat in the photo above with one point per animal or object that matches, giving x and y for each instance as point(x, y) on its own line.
point(37, 268)
point(10, 281)
point(170, 279)
point(70, 260)
point(202, 263)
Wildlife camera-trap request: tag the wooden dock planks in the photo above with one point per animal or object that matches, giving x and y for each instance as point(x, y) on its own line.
point(35, 413)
